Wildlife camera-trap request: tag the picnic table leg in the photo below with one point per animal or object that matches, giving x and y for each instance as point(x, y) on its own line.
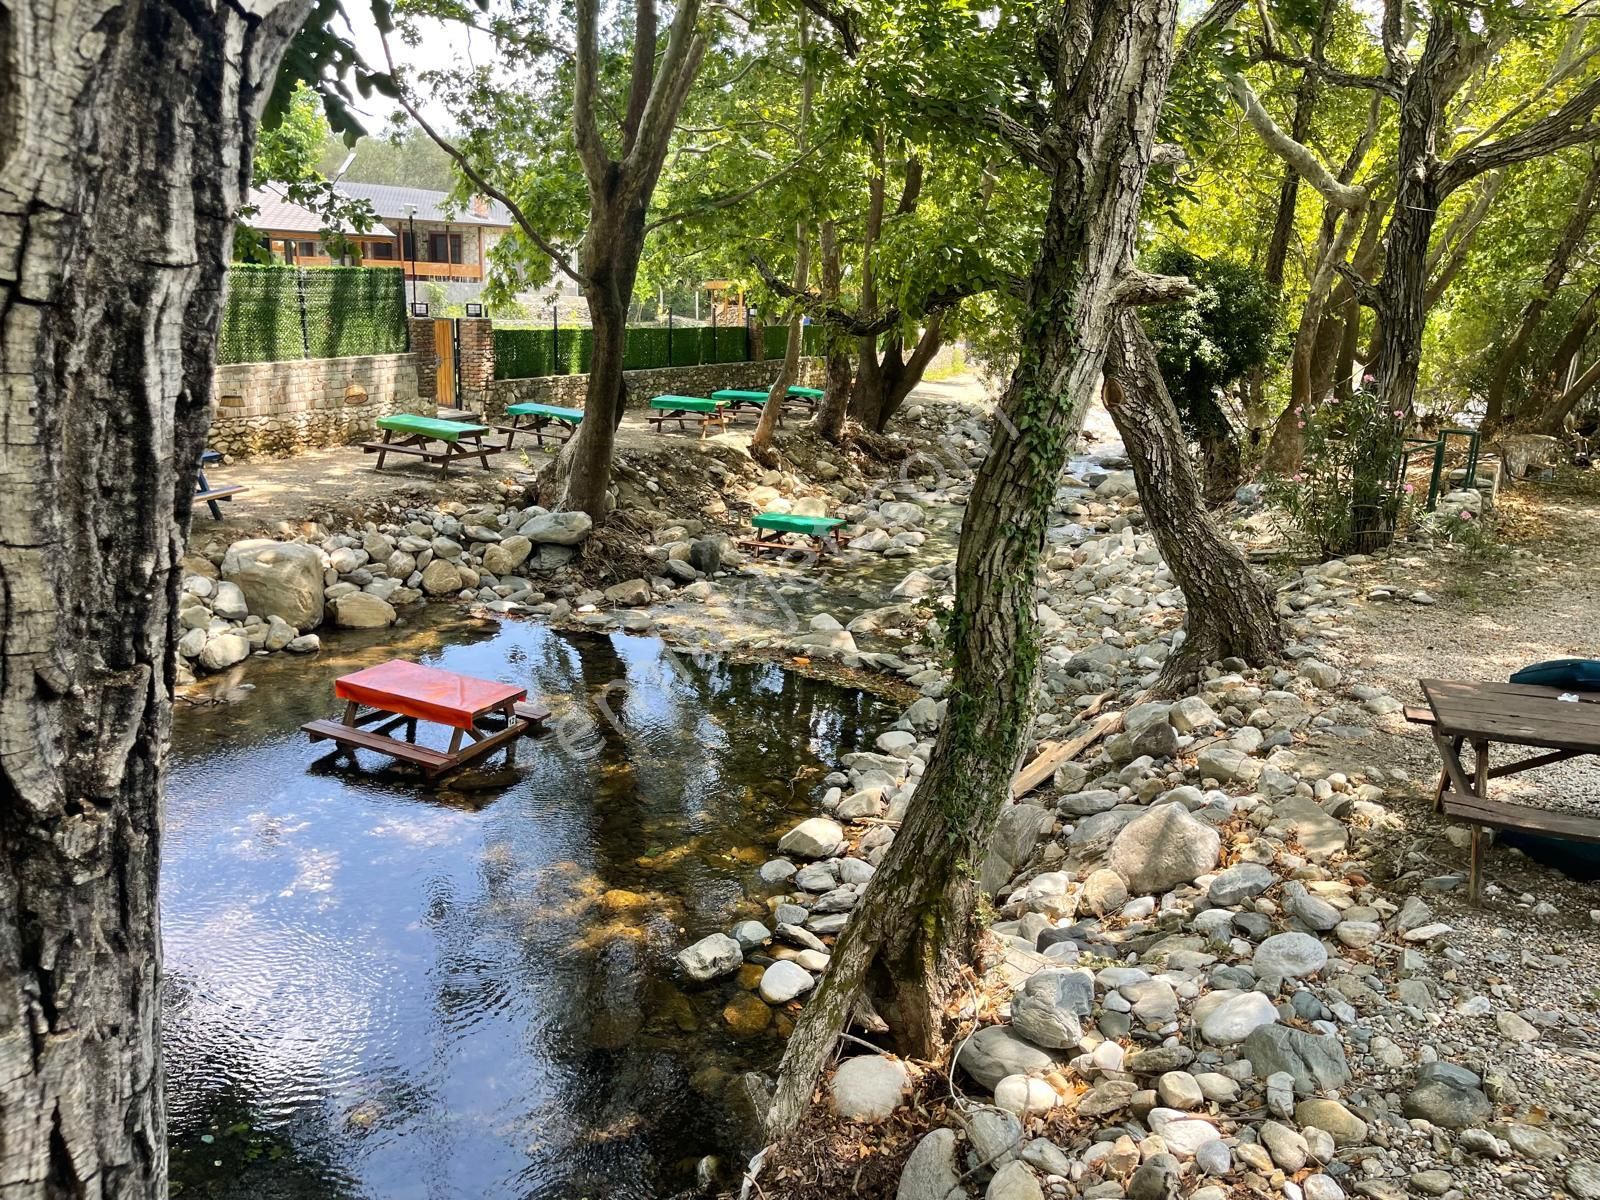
point(216, 509)
point(350, 710)
point(510, 711)
point(388, 435)
point(1480, 782)
point(483, 454)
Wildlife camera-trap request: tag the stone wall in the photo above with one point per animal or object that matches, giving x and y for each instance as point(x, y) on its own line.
point(277, 408)
point(568, 390)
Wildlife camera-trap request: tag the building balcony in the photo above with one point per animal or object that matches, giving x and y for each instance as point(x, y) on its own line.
point(422, 269)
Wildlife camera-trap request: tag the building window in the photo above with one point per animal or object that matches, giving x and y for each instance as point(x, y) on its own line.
point(410, 245)
point(308, 250)
point(444, 248)
point(380, 250)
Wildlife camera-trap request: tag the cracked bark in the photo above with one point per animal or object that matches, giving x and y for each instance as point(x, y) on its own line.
point(125, 136)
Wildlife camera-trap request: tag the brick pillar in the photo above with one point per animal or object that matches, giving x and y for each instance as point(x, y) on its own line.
point(420, 332)
point(475, 339)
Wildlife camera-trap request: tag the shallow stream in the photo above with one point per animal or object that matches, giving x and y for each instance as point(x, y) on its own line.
point(377, 988)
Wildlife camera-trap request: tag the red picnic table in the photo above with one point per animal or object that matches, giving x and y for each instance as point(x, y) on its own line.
point(483, 713)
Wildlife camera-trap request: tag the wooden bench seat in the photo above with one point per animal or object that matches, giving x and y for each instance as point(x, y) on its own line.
point(431, 439)
point(709, 412)
point(428, 760)
point(1498, 814)
point(542, 420)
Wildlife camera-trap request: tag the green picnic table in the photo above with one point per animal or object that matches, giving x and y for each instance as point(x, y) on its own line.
point(772, 526)
point(742, 398)
point(418, 435)
point(805, 393)
point(679, 408)
point(543, 421)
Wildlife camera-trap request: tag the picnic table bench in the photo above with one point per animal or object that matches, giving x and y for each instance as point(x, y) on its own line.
point(679, 408)
point(771, 528)
point(740, 398)
point(1564, 723)
point(418, 435)
point(203, 489)
point(482, 715)
point(544, 421)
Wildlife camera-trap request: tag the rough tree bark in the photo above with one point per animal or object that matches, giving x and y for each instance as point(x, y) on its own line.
point(916, 923)
point(1231, 610)
point(874, 401)
point(125, 141)
point(620, 188)
point(831, 408)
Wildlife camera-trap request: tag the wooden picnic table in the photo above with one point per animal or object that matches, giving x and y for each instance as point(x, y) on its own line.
point(707, 411)
point(542, 420)
point(432, 440)
point(822, 532)
point(482, 715)
point(1564, 724)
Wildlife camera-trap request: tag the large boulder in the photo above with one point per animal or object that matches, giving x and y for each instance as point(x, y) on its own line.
point(441, 578)
point(1163, 848)
point(995, 1052)
point(558, 528)
point(278, 579)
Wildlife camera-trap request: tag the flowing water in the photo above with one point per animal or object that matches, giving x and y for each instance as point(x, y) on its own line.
point(378, 988)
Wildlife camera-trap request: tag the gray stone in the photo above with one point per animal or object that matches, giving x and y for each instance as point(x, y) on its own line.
point(751, 934)
point(558, 528)
point(815, 837)
point(504, 557)
point(868, 1088)
point(1192, 715)
point(1162, 848)
point(784, 980)
point(1316, 1061)
point(1583, 1180)
point(996, 1135)
point(1084, 804)
point(932, 1171)
point(1290, 956)
point(306, 643)
point(630, 593)
point(1014, 1181)
point(1447, 1105)
point(284, 578)
point(711, 956)
point(1047, 1009)
point(1237, 1017)
point(1224, 764)
point(229, 603)
point(1346, 1128)
point(1319, 834)
point(1239, 883)
point(995, 1051)
point(223, 650)
point(1104, 892)
point(441, 578)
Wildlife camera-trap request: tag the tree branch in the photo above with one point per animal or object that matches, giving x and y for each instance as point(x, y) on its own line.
point(1330, 73)
point(478, 179)
point(1205, 30)
point(585, 96)
point(841, 23)
point(1138, 287)
point(1568, 125)
point(1305, 163)
point(1365, 293)
point(679, 65)
point(732, 198)
point(644, 69)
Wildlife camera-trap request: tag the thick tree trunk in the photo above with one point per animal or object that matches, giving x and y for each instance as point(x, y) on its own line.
point(917, 922)
point(880, 391)
point(1230, 608)
point(1533, 311)
point(836, 387)
point(125, 136)
point(610, 261)
point(778, 394)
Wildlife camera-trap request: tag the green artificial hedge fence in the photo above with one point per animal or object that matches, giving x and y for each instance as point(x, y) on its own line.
point(530, 353)
point(283, 313)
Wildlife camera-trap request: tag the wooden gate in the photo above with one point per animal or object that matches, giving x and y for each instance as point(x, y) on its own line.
point(444, 348)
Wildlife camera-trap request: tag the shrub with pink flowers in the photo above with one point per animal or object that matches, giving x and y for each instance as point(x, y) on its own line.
point(1347, 496)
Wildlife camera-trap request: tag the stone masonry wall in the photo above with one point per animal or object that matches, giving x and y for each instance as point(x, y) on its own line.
point(267, 409)
point(567, 390)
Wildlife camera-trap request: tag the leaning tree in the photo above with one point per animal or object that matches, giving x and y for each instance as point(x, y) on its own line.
point(125, 136)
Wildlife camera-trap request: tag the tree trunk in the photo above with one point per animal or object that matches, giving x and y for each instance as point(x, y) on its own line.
point(916, 924)
point(778, 395)
point(1230, 608)
point(1533, 311)
point(836, 387)
point(875, 400)
point(126, 133)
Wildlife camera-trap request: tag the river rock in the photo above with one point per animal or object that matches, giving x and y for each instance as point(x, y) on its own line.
point(441, 578)
point(506, 556)
point(868, 1088)
point(1239, 883)
point(1015, 836)
point(815, 837)
point(228, 602)
point(1237, 1018)
point(1447, 1104)
point(1025, 1096)
point(932, 1173)
point(1104, 892)
point(223, 650)
point(1014, 1181)
point(278, 577)
point(1319, 834)
point(558, 528)
point(1290, 955)
point(712, 956)
point(362, 610)
point(995, 1051)
point(1162, 848)
point(1047, 1010)
point(783, 981)
point(1315, 1060)
point(1339, 1122)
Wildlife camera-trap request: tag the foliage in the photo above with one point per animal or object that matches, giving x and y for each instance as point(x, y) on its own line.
point(1231, 326)
point(280, 313)
point(403, 157)
point(1347, 496)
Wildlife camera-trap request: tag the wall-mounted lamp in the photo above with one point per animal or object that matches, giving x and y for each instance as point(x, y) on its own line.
point(474, 310)
point(419, 310)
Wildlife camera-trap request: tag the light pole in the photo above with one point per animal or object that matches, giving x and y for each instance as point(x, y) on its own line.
point(411, 216)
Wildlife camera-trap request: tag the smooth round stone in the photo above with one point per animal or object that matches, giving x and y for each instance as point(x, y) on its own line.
point(1214, 1157)
point(1025, 1095)
point(1290, 956)
point(868, 1088)
point(1237, 1017)
point(783, 981)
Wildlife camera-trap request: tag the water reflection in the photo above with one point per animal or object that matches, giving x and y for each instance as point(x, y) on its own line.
point(378, 989)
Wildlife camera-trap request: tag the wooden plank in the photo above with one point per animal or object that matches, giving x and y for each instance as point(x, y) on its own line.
point(1526, 707)
point(529, 711)
point(1497, 814)
point(1513, 731)
point(1419, 716)
point(349, 735)
point(1055, 754)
